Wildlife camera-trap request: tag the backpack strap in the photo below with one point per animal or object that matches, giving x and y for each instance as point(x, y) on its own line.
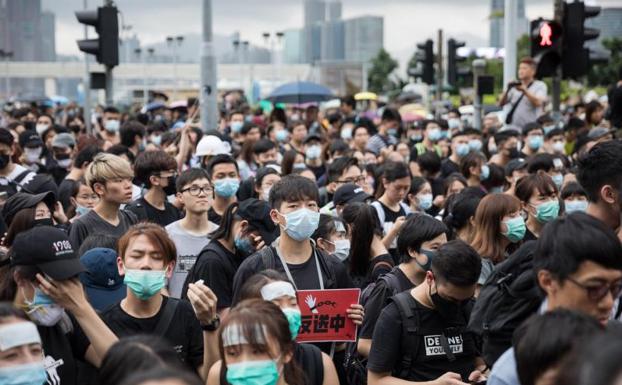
point(167, 317)
point(380, 211)
point(410, 325)
point(267, 258)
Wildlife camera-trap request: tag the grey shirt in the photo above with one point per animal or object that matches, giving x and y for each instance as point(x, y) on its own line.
point(525, 111)
point(188, 246)
point(92, 223)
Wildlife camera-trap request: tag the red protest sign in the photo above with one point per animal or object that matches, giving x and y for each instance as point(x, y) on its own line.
point(324, 316)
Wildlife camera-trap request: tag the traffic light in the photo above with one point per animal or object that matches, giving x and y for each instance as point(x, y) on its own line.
point(453, 61)
point(425, 56)
point(575, 57)
point(546, 47)
point(106, 47)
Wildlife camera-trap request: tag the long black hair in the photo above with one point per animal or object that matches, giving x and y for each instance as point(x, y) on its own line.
point(225, 229)
point(364, 225)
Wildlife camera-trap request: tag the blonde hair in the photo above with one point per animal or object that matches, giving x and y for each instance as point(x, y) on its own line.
point(106, 167)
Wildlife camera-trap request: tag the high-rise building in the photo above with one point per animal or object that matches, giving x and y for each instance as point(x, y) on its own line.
point(333, 34)
point(609, 22)
point(293, 44)
point(497, 10)
point(364, 37)
point(314, 12)
point(48, 36)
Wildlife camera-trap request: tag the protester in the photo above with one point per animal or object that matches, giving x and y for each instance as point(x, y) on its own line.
point(224, 174)
point(539, 200)
point(82, 199)
point(265, 178)
point(574, 197)
point(13, 177)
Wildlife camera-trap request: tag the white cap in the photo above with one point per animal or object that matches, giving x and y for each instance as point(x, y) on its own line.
point(212, 145)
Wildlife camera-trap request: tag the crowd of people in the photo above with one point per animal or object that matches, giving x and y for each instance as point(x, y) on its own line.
point(151, 251)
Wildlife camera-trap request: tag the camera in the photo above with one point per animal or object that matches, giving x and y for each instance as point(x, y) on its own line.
point(514, 84)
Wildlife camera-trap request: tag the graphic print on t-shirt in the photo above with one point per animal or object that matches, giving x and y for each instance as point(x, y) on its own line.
point(51, 366)
point(434, 347)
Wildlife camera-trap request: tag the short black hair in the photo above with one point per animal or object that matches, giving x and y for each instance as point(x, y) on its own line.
point(457, 263)
point(150, 163)
point(111, 109)
point(263, 145)
point(6, 137)
point(86, 155)
point(220, 159)
point(119, 149)
point(503, 136)
point(98, 240)
point(544, 340)
point(553, 132)
point(293, 188)
point(539, 162)
point(430, 162)
point(349, 101)
point(339, 166)
point(602, 165)
point(392, 171)
point(567, 242)
point(262, 173)
point(418, 228)
point(189, 176)
point(572, 188)
point(391, 115)
point(472, 159)
point(129, 130)
point(531, 126)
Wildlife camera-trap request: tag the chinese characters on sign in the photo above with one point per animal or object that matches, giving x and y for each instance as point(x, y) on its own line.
point(324, 316)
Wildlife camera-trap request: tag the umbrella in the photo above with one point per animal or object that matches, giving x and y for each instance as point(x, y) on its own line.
point(408, 96)
point(178, 104)
point(154, 106)
point(365, 96)
point(300, 92)
point(60, 100)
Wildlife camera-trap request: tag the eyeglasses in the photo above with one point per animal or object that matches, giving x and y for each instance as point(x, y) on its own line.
point(357, 179)
point(196, 190)
point(596, 293)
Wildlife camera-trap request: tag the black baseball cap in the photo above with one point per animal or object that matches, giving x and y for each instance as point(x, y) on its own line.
point(515, 165)
point(49, 249)
point(102, 282)
point(257, 213)
point(349, 193)
point(22, 200)
point(311, 137)
point(30, 138)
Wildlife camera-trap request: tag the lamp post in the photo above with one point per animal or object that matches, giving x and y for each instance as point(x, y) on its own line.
point(175, 43)
point(272, 40)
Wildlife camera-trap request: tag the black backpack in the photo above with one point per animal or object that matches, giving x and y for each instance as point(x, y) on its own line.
point(509, 296)
point(354, 364)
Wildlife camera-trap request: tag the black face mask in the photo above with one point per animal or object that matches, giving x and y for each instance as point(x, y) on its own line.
point(170, 188)
point(4, 160)
point(29, 125)
point(44, 222)
point(513, 153)
point(448, 309)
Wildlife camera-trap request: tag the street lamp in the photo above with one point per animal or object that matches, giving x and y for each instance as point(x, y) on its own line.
point(174, 43)
point(272, 40)
point(142, 58)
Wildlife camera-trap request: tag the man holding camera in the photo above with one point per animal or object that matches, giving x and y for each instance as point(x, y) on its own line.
point(526, 97)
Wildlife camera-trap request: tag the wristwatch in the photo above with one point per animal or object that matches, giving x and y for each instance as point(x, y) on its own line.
point(212, 325)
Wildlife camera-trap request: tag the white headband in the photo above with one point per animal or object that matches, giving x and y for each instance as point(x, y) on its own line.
point(277, 289)
point(233, 335)
point(18, 334)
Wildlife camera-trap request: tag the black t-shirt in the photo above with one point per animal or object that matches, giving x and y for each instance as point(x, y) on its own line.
point(529, 236)
point(390, 217)
point(429, 360)
point(92, 223)
point(319, 171)
point(379, 298)
point(61, 352)
point(615, 101)
point(216, 266)
point(213, 216)
point(448, 167)
point(184, 334)
point(146, 212)
point(65, 188)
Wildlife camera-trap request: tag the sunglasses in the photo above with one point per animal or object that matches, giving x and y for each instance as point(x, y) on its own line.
point(596, 293)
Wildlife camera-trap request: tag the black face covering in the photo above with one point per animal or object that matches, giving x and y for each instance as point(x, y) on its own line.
point(513, 153)
point(170, 188)
point(44, 222)
point(4, 161)
point(448, 309)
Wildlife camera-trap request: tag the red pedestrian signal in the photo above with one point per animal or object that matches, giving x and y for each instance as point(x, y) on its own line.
point(546, 46)
point(545, 35)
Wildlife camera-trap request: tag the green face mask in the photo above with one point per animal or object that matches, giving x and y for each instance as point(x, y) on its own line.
point(294, 318)
point(547, 211)
point(145, 283)
point(516, 229)
point(262, 372)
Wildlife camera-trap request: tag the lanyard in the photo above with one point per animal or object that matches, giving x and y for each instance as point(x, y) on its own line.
point(275, 244)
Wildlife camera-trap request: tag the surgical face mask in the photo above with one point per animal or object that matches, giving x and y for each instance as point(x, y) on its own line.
point(81, 210)
point(25, 374)
point(558, 147)
point(453, 123)
point(300, 224)
point(145, 283)
point(434, 134)
point(299, 166)
point(64, 163)
point(342, 249)
point(535, 142)
point(236, 127)
point(575, 206)
point(294, 319)
point(485, 172)
point(262, 372)
point(475, 144)
point(281, 135)
point(266, 193)
point(41, 128)
point(558, 179)
point(227, 187)
point(548, 128)
point(32, 154)
point(346, 134)
point(425, 201)
point(416, 138)
point(156, 139)
point(392, 132)
point(313, 152)
point(547, 211)
point(462, 150)
point(244, 245)
point(430, 254)
point(42, 310)
point(112, 125)
point(515, 229)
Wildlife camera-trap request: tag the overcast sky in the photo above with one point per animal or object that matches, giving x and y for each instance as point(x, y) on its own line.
point(405, 21)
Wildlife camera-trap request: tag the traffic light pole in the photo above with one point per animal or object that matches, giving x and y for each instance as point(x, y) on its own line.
point(209, 90)
point(558, 14)
point(87, 83)
point(109, 90)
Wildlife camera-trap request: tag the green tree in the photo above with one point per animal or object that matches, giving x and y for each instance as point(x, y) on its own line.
point(381, 67)
point(605, 74)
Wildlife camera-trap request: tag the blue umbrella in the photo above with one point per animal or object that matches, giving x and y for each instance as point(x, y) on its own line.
point(154, 106)
point(300, 92)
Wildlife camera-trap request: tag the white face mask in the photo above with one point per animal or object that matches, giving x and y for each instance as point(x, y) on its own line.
point(342, 249)
point(64, 163)
point(266, 193)
point(32, 154)
point(41, 127)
